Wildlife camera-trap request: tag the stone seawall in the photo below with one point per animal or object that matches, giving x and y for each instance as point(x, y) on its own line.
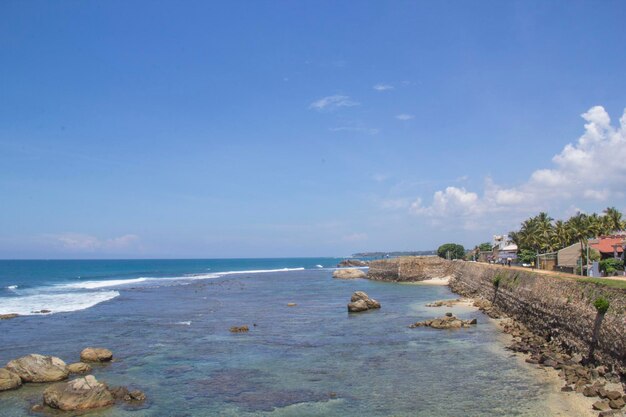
point(557, 308)
point(410, 268)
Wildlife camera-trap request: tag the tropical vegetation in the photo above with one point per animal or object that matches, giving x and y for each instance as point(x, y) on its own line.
point(543, 234)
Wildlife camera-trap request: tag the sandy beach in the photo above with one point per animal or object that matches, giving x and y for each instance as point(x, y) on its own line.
point(443, 281)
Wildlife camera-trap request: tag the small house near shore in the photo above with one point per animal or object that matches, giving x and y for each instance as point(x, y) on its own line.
point(503, 248)
point(568, 258)
point(609, 246)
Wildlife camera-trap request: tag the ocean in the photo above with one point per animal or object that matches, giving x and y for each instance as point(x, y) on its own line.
point(167, 323)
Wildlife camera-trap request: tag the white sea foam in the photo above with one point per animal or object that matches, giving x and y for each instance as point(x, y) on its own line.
point(56, 303)
point(12, 287)
point(319, 266)
point(184, 323)
point(91, 285)
point(259, 271)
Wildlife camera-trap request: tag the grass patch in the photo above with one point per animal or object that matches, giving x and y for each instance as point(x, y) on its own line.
point(613, 283)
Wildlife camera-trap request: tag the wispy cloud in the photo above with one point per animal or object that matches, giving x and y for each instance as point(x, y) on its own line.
point(355, 237)
point(404, 116)
point(366, 130)
point(592, 169)
point(87, 243)
point(395, 203)
point(333, 102)
point(380, 177)
point(383, 87)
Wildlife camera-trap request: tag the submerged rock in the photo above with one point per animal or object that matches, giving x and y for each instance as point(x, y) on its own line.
point(291, 304)
point(124, 394)
point(239, 329)
point(349, 273)
point(447, 322)
point(444, 303)
point(92, 354)
point(9, 380)
point(8, 316)
point(39, 368)
point(360, 301)
point(79, 368)
point(78, 394)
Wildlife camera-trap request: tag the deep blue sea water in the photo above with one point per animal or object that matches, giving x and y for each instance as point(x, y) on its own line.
point(168, 326)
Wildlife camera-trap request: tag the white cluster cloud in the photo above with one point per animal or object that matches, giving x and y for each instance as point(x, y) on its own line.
point(333, 102)
point(383, 87)
point(87, 243)
point(592, 168)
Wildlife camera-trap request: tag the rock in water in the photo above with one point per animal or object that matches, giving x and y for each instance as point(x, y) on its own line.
point(351, 262)
point(79, 368)
point(8, 316)
point(124, 394)
point(91, 354)
point(447, 322)
point(357, 306)
point(361, 302)
point(78, 394)
point(349, 273)
point(239, 329)
point(9, 380)
point(39, 368)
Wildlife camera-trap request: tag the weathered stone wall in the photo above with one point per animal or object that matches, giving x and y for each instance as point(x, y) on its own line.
point(410, 268)
point(557, 308)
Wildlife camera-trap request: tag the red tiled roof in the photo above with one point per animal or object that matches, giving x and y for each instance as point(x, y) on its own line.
point(605, 244)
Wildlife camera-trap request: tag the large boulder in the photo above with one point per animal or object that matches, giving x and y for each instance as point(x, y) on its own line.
point(78, 394)
point(349, 273)
point(360, 301)
point(9, 380)
point(92, 354)
point(39, 368)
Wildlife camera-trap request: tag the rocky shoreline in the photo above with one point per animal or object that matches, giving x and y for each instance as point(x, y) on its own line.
point(568, 326)
point(576, 373)
point(82, 393)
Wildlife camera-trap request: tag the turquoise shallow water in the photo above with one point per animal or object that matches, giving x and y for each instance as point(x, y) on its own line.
point(315, 359)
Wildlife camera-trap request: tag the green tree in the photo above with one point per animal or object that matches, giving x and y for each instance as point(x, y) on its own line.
point(484, 247)
point(611, 265)
point(451, 251)
point(527, 256)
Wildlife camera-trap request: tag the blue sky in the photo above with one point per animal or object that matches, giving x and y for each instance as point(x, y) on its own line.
point(226, 129)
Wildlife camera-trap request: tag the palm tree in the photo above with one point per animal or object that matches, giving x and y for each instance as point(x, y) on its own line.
point(597, 225)
point(544, 231)
point(580, 230)
point(614, 219)
point(561, 236)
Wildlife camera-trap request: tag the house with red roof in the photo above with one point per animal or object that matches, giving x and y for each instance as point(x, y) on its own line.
point(609, 246)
